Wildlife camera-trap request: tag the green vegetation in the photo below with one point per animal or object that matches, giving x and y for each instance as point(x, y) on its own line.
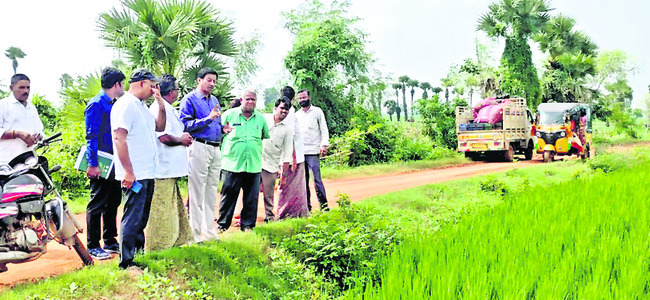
point(377, 240)
point(172, 37)
point(318, 64)
point(579, 239)
point(14, 53)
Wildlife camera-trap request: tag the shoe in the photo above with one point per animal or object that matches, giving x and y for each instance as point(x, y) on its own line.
point(115, 248)
point(246, 229)
point(99, 254)
point(221, 230)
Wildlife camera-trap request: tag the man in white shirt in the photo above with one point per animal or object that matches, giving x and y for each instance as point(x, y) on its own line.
point(20, 126)
point(277, 153)
point(134, 143)
point(316, 139)
point(168, 224)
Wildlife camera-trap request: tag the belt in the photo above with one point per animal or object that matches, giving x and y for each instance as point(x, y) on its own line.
point(211, 143)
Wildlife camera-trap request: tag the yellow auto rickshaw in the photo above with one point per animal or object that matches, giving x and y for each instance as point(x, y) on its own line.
point(563, 129)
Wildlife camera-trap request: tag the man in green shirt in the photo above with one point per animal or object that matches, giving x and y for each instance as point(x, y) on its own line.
point(241, 161)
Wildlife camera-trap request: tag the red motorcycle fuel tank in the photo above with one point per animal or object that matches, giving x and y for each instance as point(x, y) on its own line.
point(26, 186)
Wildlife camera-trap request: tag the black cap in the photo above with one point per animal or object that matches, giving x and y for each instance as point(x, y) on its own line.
point(142, 74)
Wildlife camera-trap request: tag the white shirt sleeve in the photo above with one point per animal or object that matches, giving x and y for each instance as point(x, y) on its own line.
point(122, 115)
point(325, 135)
point(287, 152)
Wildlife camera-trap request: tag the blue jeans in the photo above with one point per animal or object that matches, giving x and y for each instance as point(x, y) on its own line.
point(312, 162)
point(134, 220)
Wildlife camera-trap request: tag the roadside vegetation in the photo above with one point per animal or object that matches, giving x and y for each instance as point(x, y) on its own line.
point(364, 249)
point(458, 239)
point(584, 238)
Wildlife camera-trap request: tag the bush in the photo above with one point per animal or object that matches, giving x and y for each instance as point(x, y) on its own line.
point(440, 120)
point(607, 163)
point(342, 245)
point(70, 181)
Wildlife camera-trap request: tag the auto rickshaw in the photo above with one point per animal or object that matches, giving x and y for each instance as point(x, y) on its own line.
point(563, 129)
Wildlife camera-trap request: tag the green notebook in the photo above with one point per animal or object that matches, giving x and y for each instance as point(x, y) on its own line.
point(104, 159)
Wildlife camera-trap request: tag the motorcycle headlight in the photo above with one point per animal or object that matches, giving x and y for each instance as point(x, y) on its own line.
point(563, 134)
point(538, 134)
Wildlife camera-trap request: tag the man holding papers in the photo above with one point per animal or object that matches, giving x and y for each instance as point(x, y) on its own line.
point(105, 193)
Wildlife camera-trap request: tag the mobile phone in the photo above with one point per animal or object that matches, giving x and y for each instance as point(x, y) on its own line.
point(136, 187)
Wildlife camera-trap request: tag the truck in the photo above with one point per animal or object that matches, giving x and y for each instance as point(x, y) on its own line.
point(502, 140)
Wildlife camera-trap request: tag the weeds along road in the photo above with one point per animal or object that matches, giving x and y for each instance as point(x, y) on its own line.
point(60, 259)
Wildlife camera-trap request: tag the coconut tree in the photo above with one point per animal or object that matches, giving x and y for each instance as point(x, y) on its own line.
point(404, 80)
point(14, 53)
point(517, 21)
point(397, 87)
point(171, 37)
point(413, 84)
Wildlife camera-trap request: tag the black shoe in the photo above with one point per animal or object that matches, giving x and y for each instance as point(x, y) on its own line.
point(221, 230)
point(115, 248)
point(246, 229)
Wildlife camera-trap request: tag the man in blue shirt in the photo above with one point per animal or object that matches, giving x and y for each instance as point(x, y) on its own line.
point(105, 193)
point(201, 115)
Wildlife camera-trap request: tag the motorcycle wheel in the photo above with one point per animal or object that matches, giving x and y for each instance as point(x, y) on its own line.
point(82, 251)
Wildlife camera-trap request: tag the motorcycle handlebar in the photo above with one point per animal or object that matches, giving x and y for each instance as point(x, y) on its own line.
point(48, 140)
point(51, 138)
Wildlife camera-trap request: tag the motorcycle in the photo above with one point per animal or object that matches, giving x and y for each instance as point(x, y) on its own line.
point(32, 212)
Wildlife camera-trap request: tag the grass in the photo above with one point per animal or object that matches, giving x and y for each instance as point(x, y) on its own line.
point(584, 238)
point(280, 260)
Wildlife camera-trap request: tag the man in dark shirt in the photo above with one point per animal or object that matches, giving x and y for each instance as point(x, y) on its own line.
point(105, 193)
point(201, 115)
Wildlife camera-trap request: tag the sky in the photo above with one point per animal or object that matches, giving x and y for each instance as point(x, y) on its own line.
point(418, 38)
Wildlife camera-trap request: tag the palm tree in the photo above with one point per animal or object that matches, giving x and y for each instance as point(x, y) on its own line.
point(391, 108)
point(436, 90)
point(413, 84)
point(517, 21)
point(376, 90)
point(14, 53)
point(471, 82)
point(571, 60)
point(425, 86)
point(171, 37)
point(397, 87)
point(447, 82)
point(404, 80)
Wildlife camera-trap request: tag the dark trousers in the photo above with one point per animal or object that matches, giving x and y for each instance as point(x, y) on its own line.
point(249, 183)
point(134, 220)
point(105, 198)
point(312, 162)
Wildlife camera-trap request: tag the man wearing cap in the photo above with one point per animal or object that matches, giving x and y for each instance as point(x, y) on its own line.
point(105, 193)
point(134, 141)
point(201, 115)
point(20, 126)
